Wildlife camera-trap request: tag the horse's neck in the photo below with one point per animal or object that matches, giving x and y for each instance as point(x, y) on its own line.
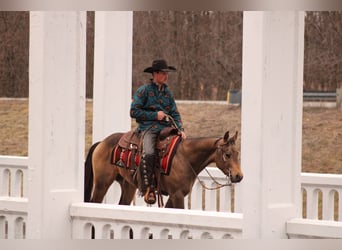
point(200, 152)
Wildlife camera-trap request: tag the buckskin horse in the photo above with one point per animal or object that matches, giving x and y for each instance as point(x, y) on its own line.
point(191, 157)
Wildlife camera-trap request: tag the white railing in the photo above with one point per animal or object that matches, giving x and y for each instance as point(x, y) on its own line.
point(322, 195)
point(13, 170)
point(13, 200)
point(317, 229)
point(104, 221)
point(13, 217)
point(216, 219)
point(13, 197)
point(322, 207)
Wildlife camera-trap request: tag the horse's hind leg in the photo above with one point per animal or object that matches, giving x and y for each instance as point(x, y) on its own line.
point(127, 192)
point(99, 192)
point(101, 185)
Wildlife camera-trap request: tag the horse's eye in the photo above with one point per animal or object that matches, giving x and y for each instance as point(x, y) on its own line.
point(227, 155)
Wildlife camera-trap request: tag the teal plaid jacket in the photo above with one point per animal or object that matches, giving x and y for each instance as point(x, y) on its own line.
point(146, 103)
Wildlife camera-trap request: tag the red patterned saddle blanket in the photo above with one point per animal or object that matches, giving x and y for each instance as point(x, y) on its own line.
point(127, 152)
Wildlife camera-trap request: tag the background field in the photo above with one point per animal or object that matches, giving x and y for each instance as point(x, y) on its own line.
point(322, 130)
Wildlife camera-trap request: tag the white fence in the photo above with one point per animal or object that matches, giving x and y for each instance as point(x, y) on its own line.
point(139, 222)
point(13, 197)
point(322, 207)
point(12, 172)
point(322, 195)
point(209, 214)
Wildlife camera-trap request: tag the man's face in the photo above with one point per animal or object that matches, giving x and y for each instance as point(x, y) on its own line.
point(160, 77)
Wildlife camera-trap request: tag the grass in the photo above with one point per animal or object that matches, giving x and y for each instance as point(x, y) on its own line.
point(321, 138)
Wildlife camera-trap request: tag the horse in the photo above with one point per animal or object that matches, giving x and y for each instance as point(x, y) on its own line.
point(191, 157)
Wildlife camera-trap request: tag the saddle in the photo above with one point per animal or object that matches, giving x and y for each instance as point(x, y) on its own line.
point(127, 152)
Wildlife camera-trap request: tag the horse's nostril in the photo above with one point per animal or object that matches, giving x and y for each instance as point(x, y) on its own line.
point(238, 178)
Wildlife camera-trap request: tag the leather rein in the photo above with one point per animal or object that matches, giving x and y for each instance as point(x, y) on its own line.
point(218, 185)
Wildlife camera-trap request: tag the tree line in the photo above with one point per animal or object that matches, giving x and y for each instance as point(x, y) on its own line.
point(205, 46)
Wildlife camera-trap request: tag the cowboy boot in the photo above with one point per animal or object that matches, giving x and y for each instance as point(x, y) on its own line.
point(147, 183)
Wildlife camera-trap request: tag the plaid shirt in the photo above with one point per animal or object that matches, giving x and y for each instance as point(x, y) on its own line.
point(146, 103)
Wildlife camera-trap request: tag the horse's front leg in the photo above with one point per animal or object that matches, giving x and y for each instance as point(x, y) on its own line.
point(175, 200)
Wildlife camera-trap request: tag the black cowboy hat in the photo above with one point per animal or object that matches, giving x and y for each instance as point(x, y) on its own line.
point(159, 65)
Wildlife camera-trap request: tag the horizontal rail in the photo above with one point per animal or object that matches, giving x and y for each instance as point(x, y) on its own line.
point(122, 222)
point(13, 205)
point(305, 228)
point(319, 96)
point(316, 179)
point(14, 161)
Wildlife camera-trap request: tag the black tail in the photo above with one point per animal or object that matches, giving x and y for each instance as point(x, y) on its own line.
point(88, 174)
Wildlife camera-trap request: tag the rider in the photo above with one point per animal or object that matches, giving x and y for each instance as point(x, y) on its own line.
point(151, 104)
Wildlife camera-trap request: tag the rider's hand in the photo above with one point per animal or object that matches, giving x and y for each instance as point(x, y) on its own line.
point(161, 115)
point(182, 133)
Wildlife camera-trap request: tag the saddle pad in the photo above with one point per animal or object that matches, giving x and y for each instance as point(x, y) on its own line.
point(166, 160)
point(130, 159)
point(125, 158)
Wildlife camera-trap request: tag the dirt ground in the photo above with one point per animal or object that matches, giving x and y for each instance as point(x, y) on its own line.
point(322, 130)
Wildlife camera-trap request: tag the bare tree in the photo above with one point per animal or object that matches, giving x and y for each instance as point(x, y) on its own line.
point(323, 50)
point(14, 44)
point(205, 46)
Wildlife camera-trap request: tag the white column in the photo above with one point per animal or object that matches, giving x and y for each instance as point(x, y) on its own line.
point(112, 73)
point(56, 121)
point(273, 48)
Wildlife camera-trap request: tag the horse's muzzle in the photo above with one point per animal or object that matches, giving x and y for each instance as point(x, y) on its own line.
point(236, 178)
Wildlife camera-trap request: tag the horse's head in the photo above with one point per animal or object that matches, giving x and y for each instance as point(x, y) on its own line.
point(227, 157)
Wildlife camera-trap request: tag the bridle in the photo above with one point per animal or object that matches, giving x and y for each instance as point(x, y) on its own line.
point(218, 185)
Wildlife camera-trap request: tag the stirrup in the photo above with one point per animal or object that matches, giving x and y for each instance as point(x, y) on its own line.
point(150, 196)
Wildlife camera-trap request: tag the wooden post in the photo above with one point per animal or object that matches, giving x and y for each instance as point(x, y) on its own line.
point(56, 121)
point(272, 93)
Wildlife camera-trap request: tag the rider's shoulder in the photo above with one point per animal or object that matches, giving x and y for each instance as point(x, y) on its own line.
point(142, 88)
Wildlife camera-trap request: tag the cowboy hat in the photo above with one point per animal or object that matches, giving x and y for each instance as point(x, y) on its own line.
point(159, 65)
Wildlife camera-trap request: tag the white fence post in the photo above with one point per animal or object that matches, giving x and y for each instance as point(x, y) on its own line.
point(272, 96)
point(56, 121)
point(112, 72)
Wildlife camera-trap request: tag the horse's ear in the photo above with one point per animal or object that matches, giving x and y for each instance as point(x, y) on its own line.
point(226, 136)
point(235, 136)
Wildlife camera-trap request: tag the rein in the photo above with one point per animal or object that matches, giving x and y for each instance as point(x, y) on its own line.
point(169, 118)
point(219, 185)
